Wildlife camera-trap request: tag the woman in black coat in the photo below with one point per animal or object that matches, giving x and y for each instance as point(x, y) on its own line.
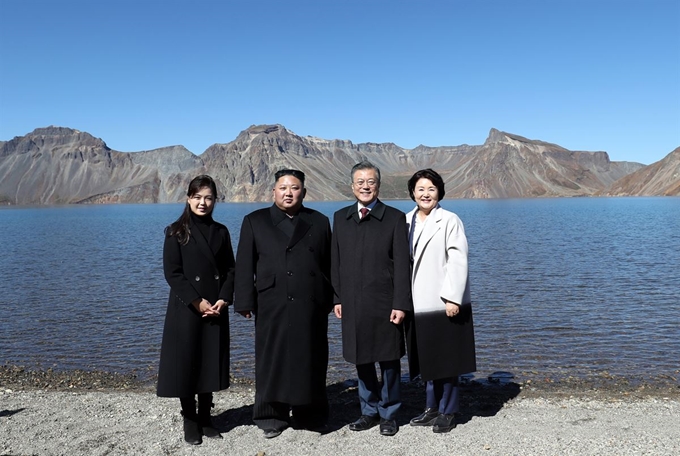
point(198, 262)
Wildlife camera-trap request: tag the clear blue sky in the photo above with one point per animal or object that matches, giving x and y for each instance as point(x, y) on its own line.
point(142, 74)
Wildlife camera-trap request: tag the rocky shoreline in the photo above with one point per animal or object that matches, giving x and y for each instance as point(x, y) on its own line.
point(601, 386)
point(50, 412)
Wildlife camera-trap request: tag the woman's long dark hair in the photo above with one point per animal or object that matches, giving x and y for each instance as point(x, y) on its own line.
point(180, 227)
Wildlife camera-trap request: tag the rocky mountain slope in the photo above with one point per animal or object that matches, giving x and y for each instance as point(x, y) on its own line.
point(658, 179)
point(56, 165)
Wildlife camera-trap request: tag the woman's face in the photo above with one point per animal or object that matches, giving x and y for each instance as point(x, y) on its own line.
point(426, 195)
point(202, 202)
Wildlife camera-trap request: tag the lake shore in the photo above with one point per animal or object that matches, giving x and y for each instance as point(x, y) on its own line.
point(80, 412)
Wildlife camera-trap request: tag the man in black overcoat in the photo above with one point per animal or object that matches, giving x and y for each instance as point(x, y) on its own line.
point(283, 278)
point(371, 279)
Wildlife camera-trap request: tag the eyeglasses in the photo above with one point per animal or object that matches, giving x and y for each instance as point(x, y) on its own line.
point(370, 182)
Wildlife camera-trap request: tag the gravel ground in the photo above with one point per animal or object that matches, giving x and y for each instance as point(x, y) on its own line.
point(74, 413)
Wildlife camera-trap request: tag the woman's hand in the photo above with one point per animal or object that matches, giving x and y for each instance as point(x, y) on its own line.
point(206, 309)
point(452, 309)
point(214, 311)
point(201, 305)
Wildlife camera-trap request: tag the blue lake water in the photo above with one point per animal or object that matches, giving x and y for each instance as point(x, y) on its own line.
point(561, 287)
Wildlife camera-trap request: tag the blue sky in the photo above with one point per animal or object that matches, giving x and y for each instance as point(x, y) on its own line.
point(142, 74)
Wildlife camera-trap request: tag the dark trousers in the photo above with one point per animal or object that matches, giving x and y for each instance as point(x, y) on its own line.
point(376, 400)
point(276, 415)
point(442, 394)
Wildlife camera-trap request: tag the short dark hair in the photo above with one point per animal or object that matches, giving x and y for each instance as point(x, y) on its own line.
point(365, 165)
point(430, 174)
point(290, 172)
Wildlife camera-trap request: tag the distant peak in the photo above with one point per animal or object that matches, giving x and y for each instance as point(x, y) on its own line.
point(496, 136)
point(266, 129)
point(55, 131)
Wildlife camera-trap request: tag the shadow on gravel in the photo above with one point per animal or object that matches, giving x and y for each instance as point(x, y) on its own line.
point(477, 398)
point(233, 418)
point(4, 413)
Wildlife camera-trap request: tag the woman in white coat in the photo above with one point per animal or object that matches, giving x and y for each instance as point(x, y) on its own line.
point(442, 345)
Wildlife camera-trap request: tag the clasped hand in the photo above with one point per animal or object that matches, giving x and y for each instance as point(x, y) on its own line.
point(206, 309)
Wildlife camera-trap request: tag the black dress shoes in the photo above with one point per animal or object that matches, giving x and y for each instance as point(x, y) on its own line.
point(364, 423)
point(427, 418)
point(192, 431)
point(271, 433)
point(444, 423)
point(388, 427)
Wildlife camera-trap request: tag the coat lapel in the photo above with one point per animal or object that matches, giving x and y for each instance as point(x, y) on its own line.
point(432, 225)
point(202, 243)
point(377, 212)
point(304, 224)
point(353, 213)
point(296, 232)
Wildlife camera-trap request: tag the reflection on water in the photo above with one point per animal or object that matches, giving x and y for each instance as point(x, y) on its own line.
point(560, 286)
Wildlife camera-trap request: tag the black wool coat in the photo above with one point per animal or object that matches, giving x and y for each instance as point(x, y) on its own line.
point(195, 350)
point(371, 277)
point(285, 281)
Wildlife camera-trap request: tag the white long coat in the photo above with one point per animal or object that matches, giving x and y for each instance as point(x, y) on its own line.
point(444, 346)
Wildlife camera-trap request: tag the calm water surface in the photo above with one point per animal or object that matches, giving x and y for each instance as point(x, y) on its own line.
point(581, 287)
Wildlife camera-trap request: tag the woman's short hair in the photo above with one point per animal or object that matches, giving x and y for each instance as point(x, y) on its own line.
point(430, 174)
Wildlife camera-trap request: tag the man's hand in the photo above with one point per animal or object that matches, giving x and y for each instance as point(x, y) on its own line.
point(338, 310)
point(397, 316)
point(245, 313)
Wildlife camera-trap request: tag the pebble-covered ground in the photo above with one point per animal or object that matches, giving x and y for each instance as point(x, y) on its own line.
point(81, 412)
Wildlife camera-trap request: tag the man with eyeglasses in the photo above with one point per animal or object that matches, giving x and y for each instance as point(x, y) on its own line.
point(370, 273)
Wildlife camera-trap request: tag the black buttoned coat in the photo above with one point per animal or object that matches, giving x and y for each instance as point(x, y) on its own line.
point(371, 277)
point(285, 281)
point(195, 350)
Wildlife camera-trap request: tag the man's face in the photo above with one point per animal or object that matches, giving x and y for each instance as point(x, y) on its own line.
point(365, 186)
point(288, 194)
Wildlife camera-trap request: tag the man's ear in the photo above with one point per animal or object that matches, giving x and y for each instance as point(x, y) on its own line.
point(304, 193)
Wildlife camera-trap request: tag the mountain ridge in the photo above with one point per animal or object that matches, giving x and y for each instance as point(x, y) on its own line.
point(57, 165)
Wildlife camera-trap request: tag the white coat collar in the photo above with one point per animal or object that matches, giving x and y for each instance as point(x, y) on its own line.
point(431, 227)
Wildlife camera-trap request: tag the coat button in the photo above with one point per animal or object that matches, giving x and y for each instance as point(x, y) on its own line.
point(217, 277)
point(311, 249)
point(197, 279)
point(312, 274)
point(290, 298)
point(289, 249)
point(290, 273)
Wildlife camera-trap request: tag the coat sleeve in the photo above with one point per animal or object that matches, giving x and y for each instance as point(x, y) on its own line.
point(402, 266)
point(246, 262)
point(227, 290)
point(326, 265)
point(455, 281)
point(335, 264)
point(173, 268)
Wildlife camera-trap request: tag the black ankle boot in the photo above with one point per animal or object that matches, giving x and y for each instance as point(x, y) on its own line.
point(192, 430)
point(205, 421)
